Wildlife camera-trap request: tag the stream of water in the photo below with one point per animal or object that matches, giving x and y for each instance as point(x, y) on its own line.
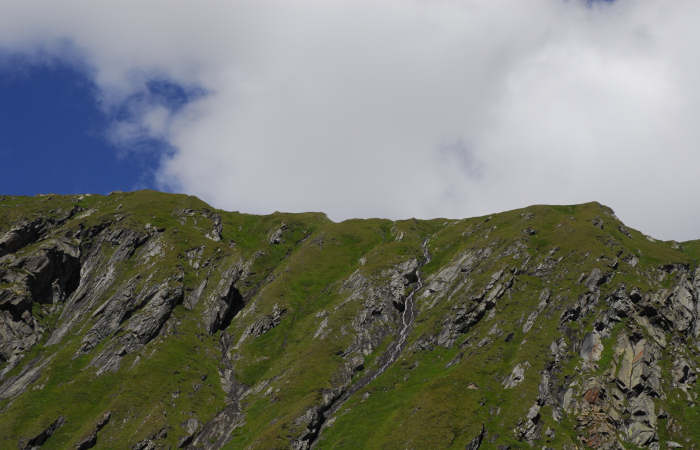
point(406, 322)
point(406, 318)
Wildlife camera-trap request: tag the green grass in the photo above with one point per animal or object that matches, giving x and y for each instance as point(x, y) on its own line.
point(418, 402)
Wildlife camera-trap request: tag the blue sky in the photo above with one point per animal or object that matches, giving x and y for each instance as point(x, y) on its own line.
point(360, 108)
point(54, 135)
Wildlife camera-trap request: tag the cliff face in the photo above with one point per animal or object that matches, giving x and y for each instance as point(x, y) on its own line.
point(146, 320)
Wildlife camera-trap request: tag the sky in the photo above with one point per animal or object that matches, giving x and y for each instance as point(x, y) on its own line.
point(52, 135)
point(359, 108)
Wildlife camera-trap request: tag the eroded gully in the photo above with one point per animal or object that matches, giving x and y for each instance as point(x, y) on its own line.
point(389, 358)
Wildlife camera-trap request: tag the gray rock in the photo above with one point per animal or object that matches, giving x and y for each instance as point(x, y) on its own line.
point(544, 300)
point(44, 277)
point(15, 385)
point(528, 428)
point(276, 236)
point(217, 228)
point(266, 323)
point(466, 316)
point(146, 444)
point(217, 432)
point(191, 425)
point(193, 297)
point(594, 279)
point(516, 376)
point(640, 434)
point(21, 236)
point(591, 347)
point(475, 443)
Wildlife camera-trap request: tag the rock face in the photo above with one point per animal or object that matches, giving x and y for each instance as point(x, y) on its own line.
point(151, 321)
point(46, 276)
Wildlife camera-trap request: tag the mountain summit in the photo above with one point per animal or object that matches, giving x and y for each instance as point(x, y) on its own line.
point(146, 320)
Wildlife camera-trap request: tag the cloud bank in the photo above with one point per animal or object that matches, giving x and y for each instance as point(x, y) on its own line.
point(421, 108)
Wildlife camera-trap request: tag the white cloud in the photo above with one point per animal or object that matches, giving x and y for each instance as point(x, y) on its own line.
point(403, 108)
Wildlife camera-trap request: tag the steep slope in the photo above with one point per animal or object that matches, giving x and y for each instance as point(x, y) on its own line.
point(146, 320)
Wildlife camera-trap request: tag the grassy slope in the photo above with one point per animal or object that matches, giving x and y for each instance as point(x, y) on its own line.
point(418, 402)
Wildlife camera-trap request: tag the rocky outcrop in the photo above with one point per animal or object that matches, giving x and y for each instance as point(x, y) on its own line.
point(42, 278)
point(41, 438)
point(591, 347)
point(467, 314)
point(15, 385)
point(625, 397)
point(139, 317)
point(528, 429)
point(276, 236)
point(91, 440)
point(21, 235)
point(475, 443)
point(516, 376)
point(152, 442)
point(265, 323)
point(382, 304)
point(217, 432)
point(225, 302)
point(214, 220)
point(103, 251)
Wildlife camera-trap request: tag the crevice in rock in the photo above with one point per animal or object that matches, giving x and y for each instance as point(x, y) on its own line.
point(41, 438)
point(53, 273)
point(225, 302)
point(235, 303)
point(232, 304)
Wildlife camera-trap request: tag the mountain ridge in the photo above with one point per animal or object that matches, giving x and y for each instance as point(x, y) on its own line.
point(194, 327)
